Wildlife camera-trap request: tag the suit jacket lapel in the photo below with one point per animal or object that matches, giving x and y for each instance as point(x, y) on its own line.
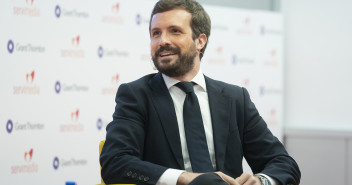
point(220, 115)
point(165, 108)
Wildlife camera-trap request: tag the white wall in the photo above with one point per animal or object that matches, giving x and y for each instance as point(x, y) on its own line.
point(318, 90)
point(318, 78)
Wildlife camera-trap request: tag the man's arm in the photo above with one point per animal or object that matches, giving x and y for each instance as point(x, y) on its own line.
point(121, 157)
point(263, 151)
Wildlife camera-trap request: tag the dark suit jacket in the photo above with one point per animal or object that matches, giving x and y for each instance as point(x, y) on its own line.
point(143, 139)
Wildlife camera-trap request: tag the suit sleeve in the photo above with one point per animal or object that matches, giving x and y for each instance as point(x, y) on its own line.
point(263, 151)
point(122, 154)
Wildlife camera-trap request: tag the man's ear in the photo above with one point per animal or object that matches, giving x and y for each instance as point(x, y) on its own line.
point(201, 41)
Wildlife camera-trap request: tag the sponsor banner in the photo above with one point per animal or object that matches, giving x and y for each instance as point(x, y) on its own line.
point(27, 8)
point(61, 163)
point(16, 126)
point(28, 86)
point(62, 11)
point(28, 166)
point(74, 125)
point(62, 87)
point(14, 47)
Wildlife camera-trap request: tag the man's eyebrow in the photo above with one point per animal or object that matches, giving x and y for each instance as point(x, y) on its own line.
point(175, 26)
point(172, 26)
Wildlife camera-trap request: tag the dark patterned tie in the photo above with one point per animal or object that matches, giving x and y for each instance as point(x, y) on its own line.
point(194, 130)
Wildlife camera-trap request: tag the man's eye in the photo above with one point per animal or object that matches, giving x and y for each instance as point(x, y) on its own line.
point(156, 33)
point(176, 31)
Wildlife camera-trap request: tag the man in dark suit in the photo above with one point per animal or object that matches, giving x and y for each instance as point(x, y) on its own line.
point(147, 141)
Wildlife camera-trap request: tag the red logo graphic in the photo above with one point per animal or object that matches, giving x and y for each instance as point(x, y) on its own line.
point(273, 53)
point(75, 41)
point(74, 115)
point(115, 8)
point(115, 79)
point(30, 2)
point(30, 77)
point(246, 21)
point(272, 58)
point(246, 82)
point(28, 155)
point(272, 112)
point(219, 49)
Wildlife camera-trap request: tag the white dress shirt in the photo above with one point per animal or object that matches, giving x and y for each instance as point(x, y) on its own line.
point(170, 176)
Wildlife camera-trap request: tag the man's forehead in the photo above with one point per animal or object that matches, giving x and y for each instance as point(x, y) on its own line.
point(175, 17)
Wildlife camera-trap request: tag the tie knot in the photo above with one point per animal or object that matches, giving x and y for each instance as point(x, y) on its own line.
point(187, 87)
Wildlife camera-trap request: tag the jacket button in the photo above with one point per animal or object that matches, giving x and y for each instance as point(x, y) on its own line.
point(129, 173)
point(141, 177)
point(134, 175)
point(146, 179)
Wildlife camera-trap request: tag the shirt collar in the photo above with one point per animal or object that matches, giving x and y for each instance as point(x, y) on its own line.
point(198, 79)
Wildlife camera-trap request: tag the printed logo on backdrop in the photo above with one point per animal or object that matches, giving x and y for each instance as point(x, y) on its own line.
point(73, 49)
point(27, 8)
point(67, 88)
point(264, 31)
point(142, 20)
point(239, 60)
point(112, 88)
point(24, 47)
point(246, 83)
point(59, 163)
point(114, 15)
point(269, 91)
point(73, 125)
point(28, 165)
point(111, 52)
point(217, 56)
point(69, 12)
point(271, 58)
point(100, 124)
point(271, 118)
point(219, 27)
point(23, 126)
point(28, 87)
point(245, 28)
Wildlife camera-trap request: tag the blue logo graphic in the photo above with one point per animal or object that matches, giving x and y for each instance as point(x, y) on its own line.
point(262, 90)
point(57, 87)
point(99, 124)
point(234, 59)
point(100, 52)
point(10, 46)
point(9, 126)
point(262, 30)
point(56, 163)
point(57, 11)
point(138, 19)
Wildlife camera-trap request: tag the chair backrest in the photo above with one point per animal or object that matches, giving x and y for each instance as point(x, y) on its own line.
point(101, 144)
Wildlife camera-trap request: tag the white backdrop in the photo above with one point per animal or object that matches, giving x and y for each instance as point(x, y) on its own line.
point(61, 63)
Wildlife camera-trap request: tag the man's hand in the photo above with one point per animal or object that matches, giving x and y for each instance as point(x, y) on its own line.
point(244, 179)
point(186, 177)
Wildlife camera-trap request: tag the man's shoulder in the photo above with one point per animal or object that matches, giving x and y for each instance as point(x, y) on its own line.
point(222, 85)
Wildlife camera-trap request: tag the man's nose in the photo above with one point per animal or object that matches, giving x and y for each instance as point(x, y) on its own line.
point(164, 39)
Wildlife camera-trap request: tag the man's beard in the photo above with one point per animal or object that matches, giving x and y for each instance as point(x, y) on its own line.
point(182, 65)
